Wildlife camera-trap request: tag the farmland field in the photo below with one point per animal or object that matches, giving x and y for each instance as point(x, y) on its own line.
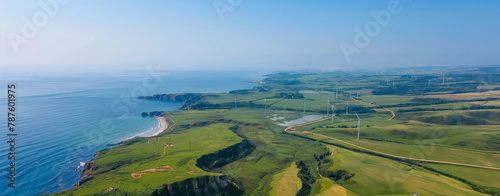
point(440, 139)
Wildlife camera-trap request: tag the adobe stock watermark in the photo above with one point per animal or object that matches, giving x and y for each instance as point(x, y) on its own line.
point(121, 106)
point(31, 26)
point(223, 6)
point(363, 37)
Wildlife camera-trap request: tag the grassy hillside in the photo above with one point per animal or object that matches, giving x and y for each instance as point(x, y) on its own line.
point(377, 176)
point(457, 121)
point(149, 163)
point(286, 182)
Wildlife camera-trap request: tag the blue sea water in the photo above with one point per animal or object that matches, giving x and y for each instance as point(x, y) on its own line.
point(62, 121)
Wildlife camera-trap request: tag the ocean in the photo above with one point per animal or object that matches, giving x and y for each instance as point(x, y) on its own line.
point(62, 121)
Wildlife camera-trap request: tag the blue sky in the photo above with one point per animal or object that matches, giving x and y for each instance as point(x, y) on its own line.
point(255, 34)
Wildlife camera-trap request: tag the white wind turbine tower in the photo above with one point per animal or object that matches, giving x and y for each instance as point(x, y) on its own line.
point(335, 93)
point(357, 93)
point(304, 106)
point(359, 122)
point(333, 111)
point(346, 107)
point(235, 105)
point(265, 106)
point(327, 107)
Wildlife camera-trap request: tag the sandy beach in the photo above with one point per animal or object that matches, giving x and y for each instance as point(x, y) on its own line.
point(163, 124)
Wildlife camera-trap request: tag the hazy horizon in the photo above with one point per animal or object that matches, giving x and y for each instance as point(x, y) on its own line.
point(51, 36)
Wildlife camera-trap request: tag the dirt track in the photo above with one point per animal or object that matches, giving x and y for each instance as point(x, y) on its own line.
point(370, 104)
point(153, 170)
point(385, 154)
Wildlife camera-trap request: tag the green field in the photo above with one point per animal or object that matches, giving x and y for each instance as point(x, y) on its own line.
point(379, 176)
point(485, 177)
point(286, 182)
point(116, 166)
point(429, 123)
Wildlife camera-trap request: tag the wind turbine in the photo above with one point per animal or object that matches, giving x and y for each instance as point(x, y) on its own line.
point(359, 122)
point(357, 93)
point(346, 107)
point(235, 105)
point(304, 106)
point(333, 111)
point(335, 93)
point(265, 106)
point(327, 107)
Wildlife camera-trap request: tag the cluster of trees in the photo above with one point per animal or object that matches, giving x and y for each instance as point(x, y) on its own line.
point(284, 81)
point(214, 185)
point(222, 120)
point(306, 178)
point(383, 140)
point(242, 92)
point(225, 156)
point(157, 113)
point(322, 163)
point(289, 95)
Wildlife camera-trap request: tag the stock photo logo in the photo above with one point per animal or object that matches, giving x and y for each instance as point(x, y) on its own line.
point(48, 10)
point(372, 29)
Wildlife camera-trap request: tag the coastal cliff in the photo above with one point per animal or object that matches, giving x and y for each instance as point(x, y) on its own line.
point(187, 99)
point(87, 169)
point(195, 101)
point(205, 185)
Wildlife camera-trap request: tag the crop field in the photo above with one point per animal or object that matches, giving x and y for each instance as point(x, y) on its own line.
point(386, 99)
point(286, 182)
point(467, 96)
point(379, 176)
point(329, 187)
point(455, 123)
point(485, 177)
point(414, 150)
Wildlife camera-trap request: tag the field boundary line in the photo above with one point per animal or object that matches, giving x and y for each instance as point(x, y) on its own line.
point(371, 104)
point(386, 154)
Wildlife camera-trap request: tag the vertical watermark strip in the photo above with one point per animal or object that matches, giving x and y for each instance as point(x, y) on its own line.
point(11, 134)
